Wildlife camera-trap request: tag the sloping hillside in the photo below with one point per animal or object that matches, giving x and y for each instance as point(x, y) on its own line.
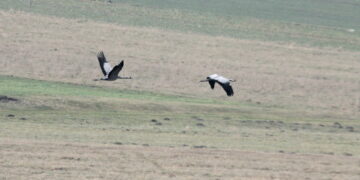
point(309, 81)
point(294, 114)
point(319, 23)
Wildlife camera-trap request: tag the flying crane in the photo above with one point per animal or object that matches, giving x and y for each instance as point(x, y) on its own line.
point(222, 81)
point(110, 74)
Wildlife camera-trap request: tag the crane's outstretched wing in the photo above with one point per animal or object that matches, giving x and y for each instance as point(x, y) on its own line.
point(115, 71)
point(212, 84)
point(228, 89)
point(104, 65)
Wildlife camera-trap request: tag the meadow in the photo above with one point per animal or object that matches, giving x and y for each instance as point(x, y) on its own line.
point(311, 23)
point(294, 114)
point(75, 126)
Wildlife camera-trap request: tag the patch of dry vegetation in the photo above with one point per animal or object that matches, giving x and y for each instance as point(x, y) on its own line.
point(321, 82)
point(23, 158)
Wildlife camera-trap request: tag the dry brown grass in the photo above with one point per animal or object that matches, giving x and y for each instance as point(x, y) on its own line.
point(58, 160)
point(308, 80)
point(302, 79)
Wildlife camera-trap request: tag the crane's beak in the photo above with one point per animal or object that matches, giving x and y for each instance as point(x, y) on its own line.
point(204, 80)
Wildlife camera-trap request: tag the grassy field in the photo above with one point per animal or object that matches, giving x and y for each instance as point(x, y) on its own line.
point(78, 118)
point(295, 112)
point(313, 23)
point(92, 109)
point(311, 82)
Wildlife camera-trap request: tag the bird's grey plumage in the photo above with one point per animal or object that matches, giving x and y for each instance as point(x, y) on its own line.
point(222, 81)
point(110, 74)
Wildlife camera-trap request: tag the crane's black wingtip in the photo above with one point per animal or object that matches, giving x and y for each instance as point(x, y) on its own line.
point(121, 64)
point(100, 54)
point(229, 90)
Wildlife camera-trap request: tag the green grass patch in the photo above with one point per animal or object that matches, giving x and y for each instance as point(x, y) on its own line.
point(55, 111)
point(313, 23)
point(29, 87)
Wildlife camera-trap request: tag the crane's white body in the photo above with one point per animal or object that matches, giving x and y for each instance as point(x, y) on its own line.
point(220, 79)
point(107, 68)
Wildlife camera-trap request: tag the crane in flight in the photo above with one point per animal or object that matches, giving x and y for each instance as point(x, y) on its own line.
point(110, 74)
point(224, 83)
